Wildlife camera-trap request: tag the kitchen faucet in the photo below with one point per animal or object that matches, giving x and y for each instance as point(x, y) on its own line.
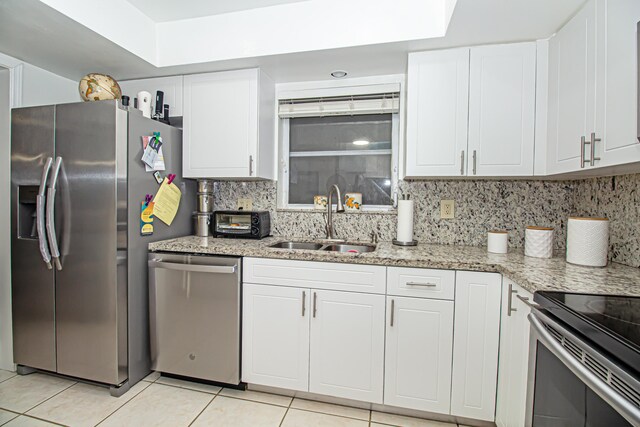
point(331, 234)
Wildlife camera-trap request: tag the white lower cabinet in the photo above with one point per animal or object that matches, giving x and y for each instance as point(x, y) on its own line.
point(275, 336)
point(475, 345)
point(347, 345)
point(514, 357)
point(418, 354)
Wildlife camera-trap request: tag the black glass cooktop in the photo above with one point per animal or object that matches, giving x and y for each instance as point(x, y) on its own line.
point(611, 322)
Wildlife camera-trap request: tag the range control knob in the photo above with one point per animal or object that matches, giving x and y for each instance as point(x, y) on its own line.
point(255, 220)
point(254, 231)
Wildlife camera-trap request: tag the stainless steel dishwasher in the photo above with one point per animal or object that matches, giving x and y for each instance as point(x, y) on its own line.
point(194, 314)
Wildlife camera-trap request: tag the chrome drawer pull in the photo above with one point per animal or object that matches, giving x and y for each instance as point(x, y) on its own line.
point(427, 285)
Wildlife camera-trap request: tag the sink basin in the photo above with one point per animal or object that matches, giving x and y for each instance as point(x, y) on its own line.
point(297, 245)
point(350, 248)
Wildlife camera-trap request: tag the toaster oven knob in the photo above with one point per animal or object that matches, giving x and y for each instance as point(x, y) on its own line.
point(254, 231)
point(255, 220)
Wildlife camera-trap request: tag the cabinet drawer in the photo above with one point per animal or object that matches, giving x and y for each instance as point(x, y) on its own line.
point(317, 275)
point(421, 282)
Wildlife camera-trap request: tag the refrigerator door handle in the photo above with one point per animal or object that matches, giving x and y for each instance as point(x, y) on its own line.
point(40, 214)
point(51, 227)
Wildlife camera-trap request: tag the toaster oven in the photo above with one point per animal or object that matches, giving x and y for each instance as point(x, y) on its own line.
point(241, 224)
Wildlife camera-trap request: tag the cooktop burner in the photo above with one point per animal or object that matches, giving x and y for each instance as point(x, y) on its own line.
point(612, 322)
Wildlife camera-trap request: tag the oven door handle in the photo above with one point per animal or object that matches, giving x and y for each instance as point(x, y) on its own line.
point(608, 394)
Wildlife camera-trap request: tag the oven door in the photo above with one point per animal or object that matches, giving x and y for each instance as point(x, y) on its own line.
point(571, 384)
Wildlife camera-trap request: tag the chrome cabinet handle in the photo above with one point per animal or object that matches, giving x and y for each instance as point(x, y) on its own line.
point(304, 297)
point(393, 305)
point(40, 214)
point(474, 161)
point(154, 263)
point(510, 308)
point(51, 227)
point(527, 302)
point(583, 143)
point(428, 285)
point(462, 162)
point(593, 148)
point(250, 165)
point(608, 394)
point(315, 302)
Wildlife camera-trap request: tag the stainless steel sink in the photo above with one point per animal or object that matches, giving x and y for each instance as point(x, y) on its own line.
point(297, 245)
point(343, 247)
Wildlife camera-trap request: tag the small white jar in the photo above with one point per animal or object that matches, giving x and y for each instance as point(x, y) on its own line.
point(497, 241)
point(538, 242)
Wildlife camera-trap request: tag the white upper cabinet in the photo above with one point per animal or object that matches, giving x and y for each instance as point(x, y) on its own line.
point(475, 345)
point(617, 90)
point(437, 113)
point(471, 111)
point(593, 88)
point(171, 86)
point(502, 110)
point(572, 90)
point(229, 120)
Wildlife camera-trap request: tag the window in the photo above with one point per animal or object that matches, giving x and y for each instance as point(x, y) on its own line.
point(356, 151)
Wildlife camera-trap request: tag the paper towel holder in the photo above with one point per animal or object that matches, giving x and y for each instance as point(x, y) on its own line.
point(399, 243)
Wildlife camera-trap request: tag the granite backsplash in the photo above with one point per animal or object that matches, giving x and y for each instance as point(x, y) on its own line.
point(480, 205)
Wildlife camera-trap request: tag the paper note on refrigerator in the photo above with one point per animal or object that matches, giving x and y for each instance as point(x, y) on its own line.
point(166, 202)
point(158, 159)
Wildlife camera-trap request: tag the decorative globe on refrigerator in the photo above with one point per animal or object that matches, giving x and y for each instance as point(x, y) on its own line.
point(99, 87)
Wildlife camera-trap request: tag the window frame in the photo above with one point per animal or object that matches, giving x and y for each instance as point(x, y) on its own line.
point(309, 90)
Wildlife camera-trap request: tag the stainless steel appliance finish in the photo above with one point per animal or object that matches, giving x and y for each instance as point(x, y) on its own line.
point(86, 316)
point(205, 202)
point(195, 316)
point(201, 224)
point(205, 186)
point(638, 75)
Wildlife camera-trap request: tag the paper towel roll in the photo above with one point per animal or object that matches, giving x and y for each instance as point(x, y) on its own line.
point(588, 241)
point(144, 103)
point(405, 221)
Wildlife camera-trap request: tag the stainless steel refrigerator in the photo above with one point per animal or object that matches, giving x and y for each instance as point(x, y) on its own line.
point(78, 260)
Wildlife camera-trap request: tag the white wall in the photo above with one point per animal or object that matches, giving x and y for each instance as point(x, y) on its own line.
point(35, 87)
point(6, 347)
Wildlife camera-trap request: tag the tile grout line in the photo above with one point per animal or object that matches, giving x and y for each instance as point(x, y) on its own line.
point(39, 419)
point(203, 409)
point(121, 406)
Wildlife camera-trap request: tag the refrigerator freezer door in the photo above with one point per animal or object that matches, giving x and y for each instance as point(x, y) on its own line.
point(32, 283)
point(90, 210)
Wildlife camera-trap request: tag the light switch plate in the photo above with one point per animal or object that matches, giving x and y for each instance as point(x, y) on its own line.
point(447, 209)
point(245, 204)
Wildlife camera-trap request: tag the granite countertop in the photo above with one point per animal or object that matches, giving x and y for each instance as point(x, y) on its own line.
point(533, 274)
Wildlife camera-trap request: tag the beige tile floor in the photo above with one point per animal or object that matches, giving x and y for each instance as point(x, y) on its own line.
point(39, 400)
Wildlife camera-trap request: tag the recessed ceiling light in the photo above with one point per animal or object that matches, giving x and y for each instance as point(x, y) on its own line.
point(360, 142)
point(338, 74)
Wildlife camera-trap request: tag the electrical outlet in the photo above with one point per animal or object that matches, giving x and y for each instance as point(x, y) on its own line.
point(245, 204)
point(447, 210)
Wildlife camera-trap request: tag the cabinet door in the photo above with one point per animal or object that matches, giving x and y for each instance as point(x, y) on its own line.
point(220, 124)
point(514, 357)
point(347, 345)
point(171, 86)
point(617, 82)
point(437, 113)
point(275, 336)
point(475, 345)
point(502, 101)
point(572, 86)
point(418, 354)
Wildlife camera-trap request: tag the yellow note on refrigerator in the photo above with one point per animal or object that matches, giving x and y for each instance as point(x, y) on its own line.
point(166, 202)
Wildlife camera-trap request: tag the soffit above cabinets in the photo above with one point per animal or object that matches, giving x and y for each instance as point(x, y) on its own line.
point(292, 40)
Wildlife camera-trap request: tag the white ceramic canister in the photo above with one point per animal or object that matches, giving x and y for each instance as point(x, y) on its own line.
point(497, 241)
point(404, 231)
point(320, 202)
point(588, 241)
point(353, 201)
point(538, 242)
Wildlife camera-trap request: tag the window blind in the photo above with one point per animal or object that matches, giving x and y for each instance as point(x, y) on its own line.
point(377, 103)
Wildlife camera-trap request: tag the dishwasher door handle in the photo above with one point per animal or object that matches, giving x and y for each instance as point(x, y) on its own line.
point(192, 267)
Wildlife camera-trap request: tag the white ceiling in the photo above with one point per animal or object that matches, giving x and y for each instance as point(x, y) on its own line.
point(38, 34)
point(172, 10)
